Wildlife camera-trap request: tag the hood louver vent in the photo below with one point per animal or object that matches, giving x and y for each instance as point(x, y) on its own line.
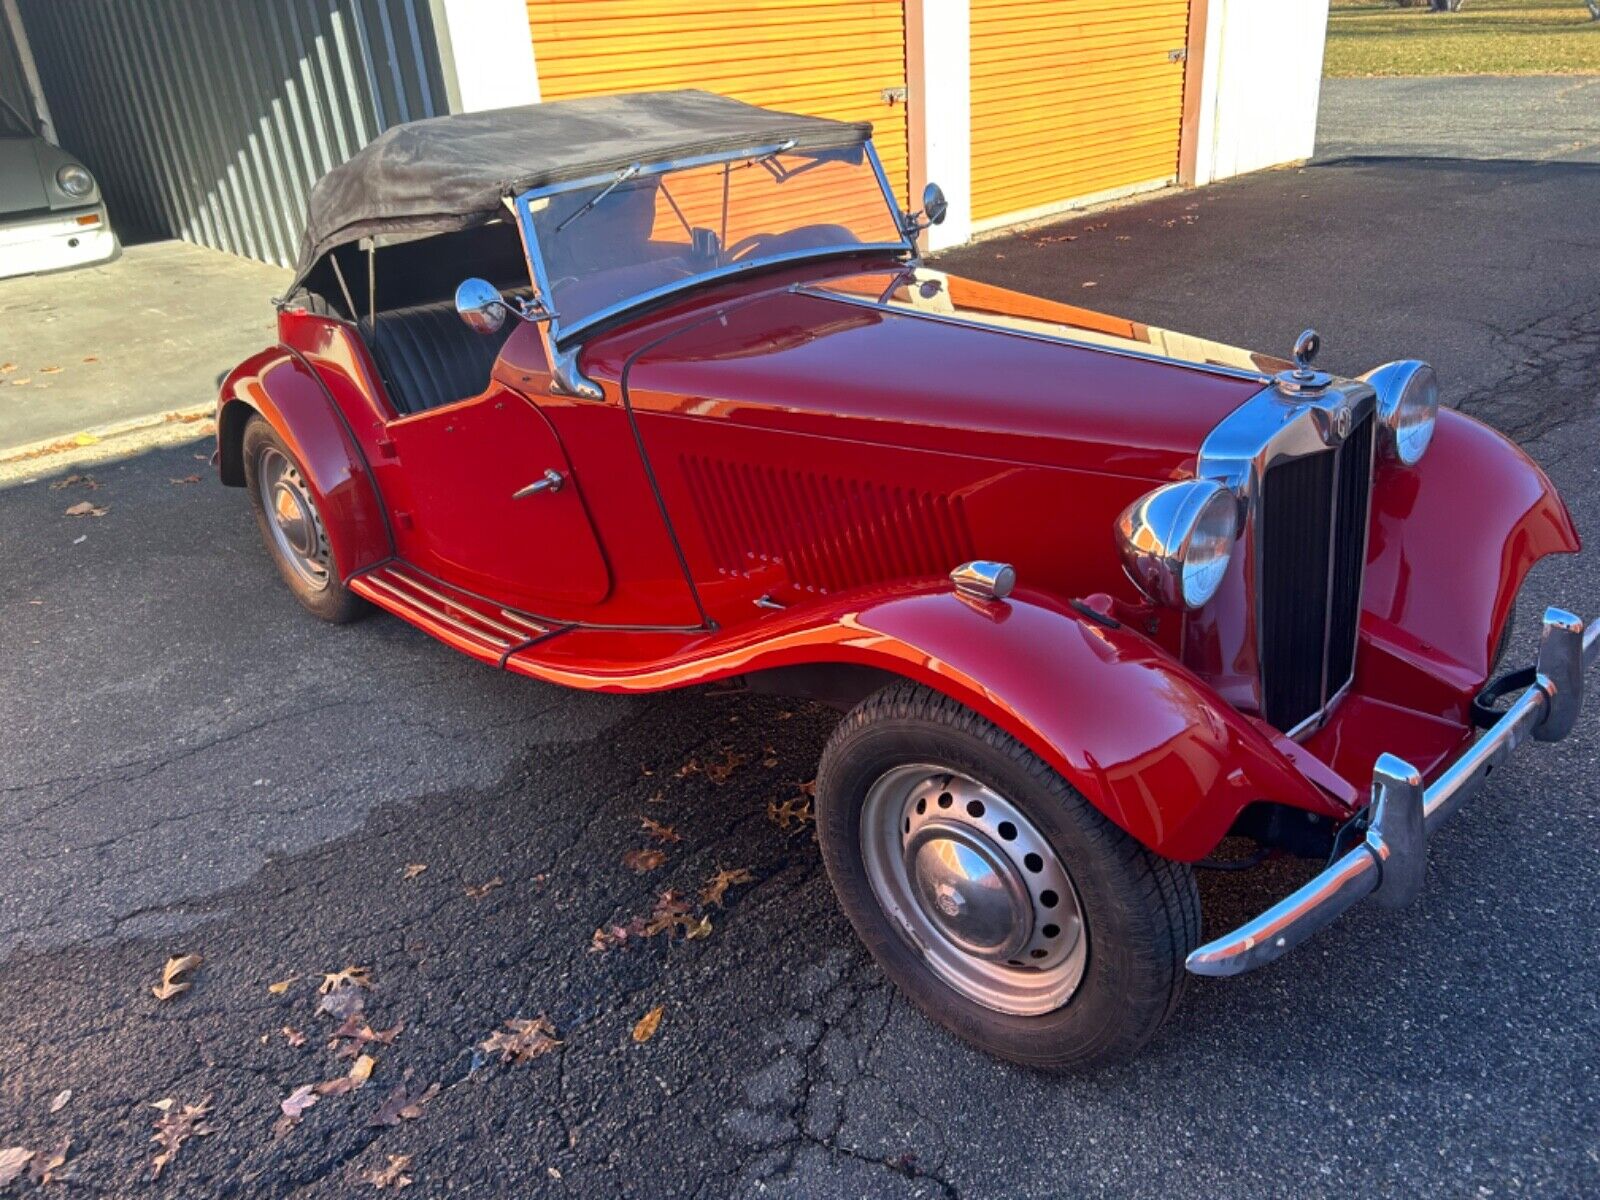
point(829, 534)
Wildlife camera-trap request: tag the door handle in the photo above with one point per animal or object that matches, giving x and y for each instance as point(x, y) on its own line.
point(551, 481)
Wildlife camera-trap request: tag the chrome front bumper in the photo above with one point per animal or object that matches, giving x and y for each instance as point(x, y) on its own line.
point(1389, 862)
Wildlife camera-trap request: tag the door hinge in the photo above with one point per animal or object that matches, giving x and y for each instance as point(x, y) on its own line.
point(1181, 54)
point(893, 95)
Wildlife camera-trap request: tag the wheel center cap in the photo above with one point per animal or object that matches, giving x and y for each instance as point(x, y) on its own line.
point(969, 890)
point(293, 518)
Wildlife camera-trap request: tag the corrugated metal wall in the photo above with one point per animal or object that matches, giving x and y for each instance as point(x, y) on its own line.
point(13, 86)
point(209, 120)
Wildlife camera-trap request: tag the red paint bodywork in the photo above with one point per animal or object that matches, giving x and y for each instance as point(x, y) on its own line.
point(756, 442)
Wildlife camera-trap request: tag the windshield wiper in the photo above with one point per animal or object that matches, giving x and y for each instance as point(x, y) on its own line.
point(622, 176)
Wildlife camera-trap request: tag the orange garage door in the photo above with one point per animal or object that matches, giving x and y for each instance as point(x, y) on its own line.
point(826, 58)
point(1073, 98)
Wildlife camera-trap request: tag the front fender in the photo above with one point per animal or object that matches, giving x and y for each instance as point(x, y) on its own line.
point(1453, 538)
point(1147, 742)
point(281, 387)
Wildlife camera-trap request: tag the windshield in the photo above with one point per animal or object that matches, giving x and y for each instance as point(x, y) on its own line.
point(12, 124)
point(639, 235)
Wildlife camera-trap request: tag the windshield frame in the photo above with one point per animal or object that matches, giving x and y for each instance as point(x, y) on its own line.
point(30, 129)
point(561, 335)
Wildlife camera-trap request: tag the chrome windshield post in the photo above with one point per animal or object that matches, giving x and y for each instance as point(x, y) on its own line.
point(566, 377)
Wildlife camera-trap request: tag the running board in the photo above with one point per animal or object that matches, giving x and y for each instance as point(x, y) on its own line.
point(488, 631)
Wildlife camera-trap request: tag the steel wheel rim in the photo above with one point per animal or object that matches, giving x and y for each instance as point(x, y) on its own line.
point(974, 888)
point(297, 530)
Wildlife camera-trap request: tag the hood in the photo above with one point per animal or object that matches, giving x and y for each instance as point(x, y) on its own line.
point(22, 186)
point(918, 358)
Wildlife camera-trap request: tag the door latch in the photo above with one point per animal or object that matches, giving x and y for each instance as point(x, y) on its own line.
point(551, 481)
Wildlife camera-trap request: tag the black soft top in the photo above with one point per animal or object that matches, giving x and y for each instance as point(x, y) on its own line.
point(451, 172)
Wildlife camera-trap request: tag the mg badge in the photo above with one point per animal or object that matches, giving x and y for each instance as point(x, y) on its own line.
point(1341, 423)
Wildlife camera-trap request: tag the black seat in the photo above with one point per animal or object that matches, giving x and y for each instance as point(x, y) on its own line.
point(428, 356)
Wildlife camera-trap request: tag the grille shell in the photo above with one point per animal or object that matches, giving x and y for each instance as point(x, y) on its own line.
point(1312, 539)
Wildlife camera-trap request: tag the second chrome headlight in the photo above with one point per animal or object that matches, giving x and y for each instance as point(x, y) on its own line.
point(1408, 407)
point(1176, 541)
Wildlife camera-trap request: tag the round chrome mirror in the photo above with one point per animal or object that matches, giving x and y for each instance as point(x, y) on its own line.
point(481, 306)
point(934, 205)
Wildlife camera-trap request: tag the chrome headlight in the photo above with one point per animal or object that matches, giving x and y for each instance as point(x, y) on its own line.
point(1176, 541)
point(74, 180)
point(1408, 407)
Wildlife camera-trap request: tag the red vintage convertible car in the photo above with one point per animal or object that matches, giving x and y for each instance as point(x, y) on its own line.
point(649, 391)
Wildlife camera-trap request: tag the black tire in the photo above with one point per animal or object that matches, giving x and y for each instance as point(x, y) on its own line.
point(1141, 911)
point(330, 599)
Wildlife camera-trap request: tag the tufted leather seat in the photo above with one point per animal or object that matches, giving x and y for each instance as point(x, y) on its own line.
point(428, 356)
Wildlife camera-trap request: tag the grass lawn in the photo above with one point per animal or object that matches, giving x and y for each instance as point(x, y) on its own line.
point(1487, 37)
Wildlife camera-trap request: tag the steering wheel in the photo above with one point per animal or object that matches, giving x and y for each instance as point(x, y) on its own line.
point(746, 244)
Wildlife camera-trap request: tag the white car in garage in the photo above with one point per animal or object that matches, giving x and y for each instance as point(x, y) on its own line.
point(51, 213)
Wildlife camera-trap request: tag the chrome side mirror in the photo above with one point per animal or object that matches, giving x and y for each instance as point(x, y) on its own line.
point(481, 305)
point(934, 208)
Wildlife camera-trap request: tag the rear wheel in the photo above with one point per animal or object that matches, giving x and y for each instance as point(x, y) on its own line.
point(992, 893)
point(292, 526)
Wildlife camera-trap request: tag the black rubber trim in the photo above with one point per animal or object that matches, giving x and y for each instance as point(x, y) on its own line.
point(1484, 712)
point(1099, 618)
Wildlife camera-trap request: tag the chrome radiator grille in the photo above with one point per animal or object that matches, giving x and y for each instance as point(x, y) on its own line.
point(1312, 542)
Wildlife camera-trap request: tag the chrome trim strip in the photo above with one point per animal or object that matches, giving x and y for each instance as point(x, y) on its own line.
point(1392, 856)
point(390, 588)
point(399, 579)
point(884, 305)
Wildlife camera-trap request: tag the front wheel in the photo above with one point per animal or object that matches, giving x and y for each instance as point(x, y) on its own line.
point(992, 893)
point(292, 527)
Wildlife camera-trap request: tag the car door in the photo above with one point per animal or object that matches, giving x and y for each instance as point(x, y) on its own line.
point(495, 507)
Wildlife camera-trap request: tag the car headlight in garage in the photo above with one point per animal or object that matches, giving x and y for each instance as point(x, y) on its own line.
point(75, 180)
point(1176, 541)
point(1408, 407)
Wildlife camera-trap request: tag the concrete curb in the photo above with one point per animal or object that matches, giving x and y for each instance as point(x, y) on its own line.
point(104, 442)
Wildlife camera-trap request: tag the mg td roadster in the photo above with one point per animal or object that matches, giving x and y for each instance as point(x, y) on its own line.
point(650, 391)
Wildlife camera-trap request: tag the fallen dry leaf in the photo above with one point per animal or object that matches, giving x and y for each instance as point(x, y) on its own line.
point(84, 509)
point(717, 886)
point(692, 767)
point(360, 1072)
point(769, 757)
point(61, 1099)
point(170, 984)
point(796, 812)
point(49, 370)
point(720, 771)
point(349, 977)
point(412, 870)
point(13, 1161)
point(51, 1168)
point(643, 861)
point(7, 368)
point(359, 1034)
point(393, 1174)
point(696, 928)
point(175, 1126)
point(88, 481)
point(648, 1024)
point(23, 382)
point(283, 985)
point(479, 891)
point(662, 833)
point(608, 936)
point(343, 1002)
point(186, 479)
point(91, 358)
point(399, 1105)
point(522, 1040)
point(293, 1036)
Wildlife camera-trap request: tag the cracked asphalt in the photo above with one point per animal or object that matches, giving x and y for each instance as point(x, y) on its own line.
point(193, 765)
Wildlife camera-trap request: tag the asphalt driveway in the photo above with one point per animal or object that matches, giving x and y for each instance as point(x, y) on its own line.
point(191, 765)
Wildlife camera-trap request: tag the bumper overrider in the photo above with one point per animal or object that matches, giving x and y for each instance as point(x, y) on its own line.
point(1389, 863)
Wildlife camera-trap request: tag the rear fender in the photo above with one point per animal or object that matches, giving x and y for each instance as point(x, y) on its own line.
point(281, 387)
point(1454, 537)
